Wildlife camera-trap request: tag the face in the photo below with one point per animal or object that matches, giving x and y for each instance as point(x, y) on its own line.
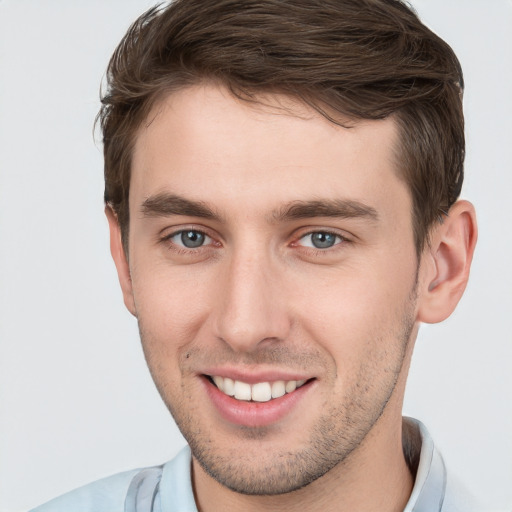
point(273, 276)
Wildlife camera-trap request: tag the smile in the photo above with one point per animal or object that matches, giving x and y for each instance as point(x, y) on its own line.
point(258, 392)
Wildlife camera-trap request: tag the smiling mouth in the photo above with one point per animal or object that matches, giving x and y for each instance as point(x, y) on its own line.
point(259, 392)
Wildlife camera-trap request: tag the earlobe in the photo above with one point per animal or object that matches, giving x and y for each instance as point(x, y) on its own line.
point(446, 263)
point(120, 259)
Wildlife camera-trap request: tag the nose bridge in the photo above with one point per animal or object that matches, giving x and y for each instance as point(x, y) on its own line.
point(251, 306)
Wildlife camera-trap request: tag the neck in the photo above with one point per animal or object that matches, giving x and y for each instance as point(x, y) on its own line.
point(375, 477)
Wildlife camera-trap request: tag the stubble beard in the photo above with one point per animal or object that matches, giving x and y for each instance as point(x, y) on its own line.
point(333, 440)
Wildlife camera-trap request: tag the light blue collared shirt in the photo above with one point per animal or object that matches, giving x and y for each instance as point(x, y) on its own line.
point(168, 488)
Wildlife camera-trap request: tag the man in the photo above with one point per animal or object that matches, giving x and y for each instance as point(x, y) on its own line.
point(281, 184)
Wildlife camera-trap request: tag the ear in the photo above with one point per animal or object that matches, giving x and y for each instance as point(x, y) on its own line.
point(446, 262)
point(120, 260)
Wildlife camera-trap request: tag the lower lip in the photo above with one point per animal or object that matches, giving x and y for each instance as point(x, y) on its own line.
point(254, 414)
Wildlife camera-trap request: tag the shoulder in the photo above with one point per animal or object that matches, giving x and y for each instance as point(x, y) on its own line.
point(458, 498)
point(435, 488)
point(167, 487)
point(105, 495)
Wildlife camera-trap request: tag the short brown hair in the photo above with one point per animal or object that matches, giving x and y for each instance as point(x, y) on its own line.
point(365, 59)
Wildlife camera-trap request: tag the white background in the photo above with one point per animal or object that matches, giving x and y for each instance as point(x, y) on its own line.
point(76, 400)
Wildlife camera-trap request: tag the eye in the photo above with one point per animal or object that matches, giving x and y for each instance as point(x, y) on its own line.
point(190, 238)
point(320, 240)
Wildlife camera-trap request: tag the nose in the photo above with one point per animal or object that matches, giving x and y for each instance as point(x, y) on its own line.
point(251, 307)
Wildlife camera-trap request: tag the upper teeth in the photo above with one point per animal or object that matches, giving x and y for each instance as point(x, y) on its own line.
point(260, 392)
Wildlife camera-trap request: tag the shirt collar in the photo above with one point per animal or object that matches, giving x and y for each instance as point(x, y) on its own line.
point(430, 485)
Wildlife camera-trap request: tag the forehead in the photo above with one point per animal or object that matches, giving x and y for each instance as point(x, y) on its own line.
point(202, 142)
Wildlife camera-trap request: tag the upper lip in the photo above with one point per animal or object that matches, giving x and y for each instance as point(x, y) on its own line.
point(252, 376)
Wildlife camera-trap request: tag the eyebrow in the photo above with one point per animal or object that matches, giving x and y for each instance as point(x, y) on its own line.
point(336, 208)
point(166, 205)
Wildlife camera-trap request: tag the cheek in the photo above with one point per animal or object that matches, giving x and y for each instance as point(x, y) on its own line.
point(171, 307)
point(355, 313)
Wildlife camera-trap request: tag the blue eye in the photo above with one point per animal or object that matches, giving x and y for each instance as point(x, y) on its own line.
point(190, 238)
point(320, 240)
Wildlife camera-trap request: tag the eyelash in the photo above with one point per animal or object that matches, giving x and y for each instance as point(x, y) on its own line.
point(341, 241)
point(181, 249)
